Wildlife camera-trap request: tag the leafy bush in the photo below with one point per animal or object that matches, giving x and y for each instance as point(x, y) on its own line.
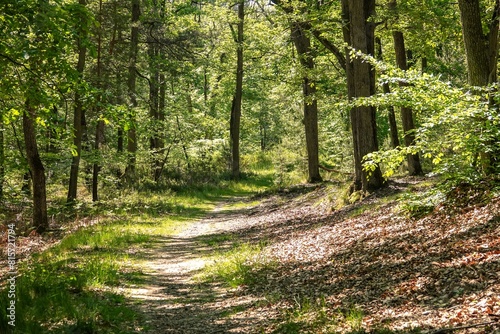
point(457, 131)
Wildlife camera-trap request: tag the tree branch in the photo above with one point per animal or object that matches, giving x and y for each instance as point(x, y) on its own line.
point(49, 84)
point(331, 47)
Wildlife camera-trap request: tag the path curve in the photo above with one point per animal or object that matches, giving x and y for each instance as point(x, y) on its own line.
point(170, 298)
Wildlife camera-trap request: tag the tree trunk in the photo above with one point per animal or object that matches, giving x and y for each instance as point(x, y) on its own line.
point(391, 115)
point(99, 135)
point(160, 142)
point(154, 91)
point(238, 96)
point(476, 43)
point(132, 75)
point(120, 100)
point(362, 84)
point(40, 219)
point(78, 119)
point(263, 135)
point(303, 46)
point(481, 53)
point(99, 140)
point(414, 166)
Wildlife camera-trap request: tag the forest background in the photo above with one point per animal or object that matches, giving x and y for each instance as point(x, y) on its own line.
point(125, 122)
point(110, 94)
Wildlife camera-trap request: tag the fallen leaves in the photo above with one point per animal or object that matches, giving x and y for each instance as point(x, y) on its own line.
point(437, 271)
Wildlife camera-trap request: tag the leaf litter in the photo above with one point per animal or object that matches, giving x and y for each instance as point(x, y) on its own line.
point(439, 273)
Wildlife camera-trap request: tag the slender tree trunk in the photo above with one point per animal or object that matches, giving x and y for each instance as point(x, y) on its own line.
point(77, 122)
point(132, 75)
point(162, 90)
point(120, 100)
point(414, 166)
point(154, 114)
point(391, 115)
point(40, 219)
point(363, 122)
point(161, 103)
point(99, 135)
point(263, 135)
point(159, 141)
point(99, 140)
point(303, 46)
point(238, 96)
point(346, 32)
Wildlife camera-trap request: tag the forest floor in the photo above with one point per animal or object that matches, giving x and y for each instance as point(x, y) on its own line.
point(365, 267)
point(293, 262)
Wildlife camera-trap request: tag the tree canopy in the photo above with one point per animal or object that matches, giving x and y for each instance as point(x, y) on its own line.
point(106, 94)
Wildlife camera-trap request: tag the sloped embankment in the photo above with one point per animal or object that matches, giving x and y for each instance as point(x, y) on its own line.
point(367, 266)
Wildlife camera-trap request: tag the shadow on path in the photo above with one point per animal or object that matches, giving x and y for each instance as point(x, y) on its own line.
point(169, 297)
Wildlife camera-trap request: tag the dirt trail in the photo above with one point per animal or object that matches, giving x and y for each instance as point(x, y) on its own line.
point(172, 300)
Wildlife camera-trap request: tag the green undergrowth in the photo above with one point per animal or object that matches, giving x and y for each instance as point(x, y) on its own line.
point(307, 316)
point(236, 266)
point(75, 286)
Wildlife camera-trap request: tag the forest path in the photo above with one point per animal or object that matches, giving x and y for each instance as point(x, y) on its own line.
point(172, 300)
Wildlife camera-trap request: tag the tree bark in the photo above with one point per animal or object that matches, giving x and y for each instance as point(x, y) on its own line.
point(132, 75)
point(99, 140)
point(414, 166)
point(40, 218)
point(303, 46)
point(120, 100)
point(476, 43)
point(361, 83)
point(154, 105)
point(481, 53)
point(391, 115)
point(78, 119)
point(99, 135)
point(238, 96)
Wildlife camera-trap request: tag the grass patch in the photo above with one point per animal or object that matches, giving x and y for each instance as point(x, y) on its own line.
point(216, 240)
point(354, 318)
point(306, 316)
point(73, 286)
point(240, 205)
point(236, 266)
point(316, 316)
